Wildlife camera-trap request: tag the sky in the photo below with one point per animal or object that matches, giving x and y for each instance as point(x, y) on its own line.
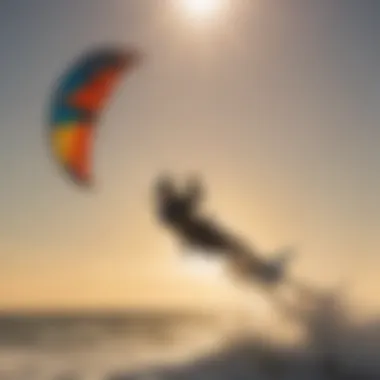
point(276, 103)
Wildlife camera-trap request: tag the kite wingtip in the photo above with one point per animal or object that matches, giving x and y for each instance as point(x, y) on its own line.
point(84, 183)
point(88, 184)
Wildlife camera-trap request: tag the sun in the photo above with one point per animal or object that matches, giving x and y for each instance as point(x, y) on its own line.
point(202, 9)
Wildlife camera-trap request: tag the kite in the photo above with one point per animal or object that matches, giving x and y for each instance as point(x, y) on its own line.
point(77, 103)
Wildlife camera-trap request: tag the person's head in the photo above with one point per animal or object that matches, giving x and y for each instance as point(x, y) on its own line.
point(194, 186)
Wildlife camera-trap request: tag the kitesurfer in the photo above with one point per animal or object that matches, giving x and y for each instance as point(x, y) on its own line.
point(180, 211)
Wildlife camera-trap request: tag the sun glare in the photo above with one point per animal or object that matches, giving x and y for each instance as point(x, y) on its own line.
point(198, 266)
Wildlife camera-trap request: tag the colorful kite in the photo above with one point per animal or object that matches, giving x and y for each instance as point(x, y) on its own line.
point(77, 103)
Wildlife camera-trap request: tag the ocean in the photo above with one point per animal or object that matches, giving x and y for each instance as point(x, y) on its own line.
point(151, 345)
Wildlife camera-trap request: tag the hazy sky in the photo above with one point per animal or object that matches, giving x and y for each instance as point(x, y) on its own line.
point(277, 103)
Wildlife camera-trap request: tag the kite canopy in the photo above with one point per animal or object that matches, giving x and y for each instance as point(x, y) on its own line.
point(77, 103)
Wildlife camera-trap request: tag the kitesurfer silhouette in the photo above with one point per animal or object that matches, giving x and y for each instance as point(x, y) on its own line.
point(180, 211)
